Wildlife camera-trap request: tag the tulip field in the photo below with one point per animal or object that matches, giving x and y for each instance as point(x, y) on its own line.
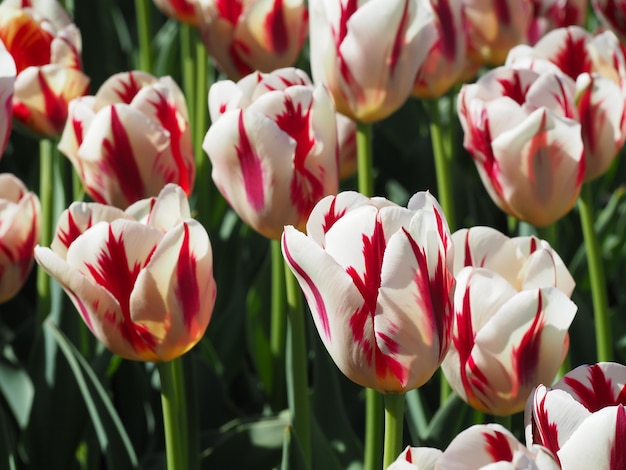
point(312, 235)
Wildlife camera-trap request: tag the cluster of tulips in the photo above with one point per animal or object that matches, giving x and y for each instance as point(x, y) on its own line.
point(397, 292)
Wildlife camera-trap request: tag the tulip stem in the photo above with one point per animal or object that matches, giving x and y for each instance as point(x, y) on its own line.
point(297, 367)
point(142, 10)
point(187, 66)
point(278, 327)
point(504, 421)
point(373, 427)
point(46, 197)
point(394, 425)
point(174, 413)
point(365, 159)
point(596, 274)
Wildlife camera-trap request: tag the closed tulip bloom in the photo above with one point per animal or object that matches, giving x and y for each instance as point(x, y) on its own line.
point(130, 139)
point(377, 280)
point(598, 66)
point(367, 52)
point(612, 13)
point(582, 418)
point(142, 279)
point(7, 84)
point(553, 14)
point(19, 232)
point(522, 131)
point(247, 35)
point(273, 147)
point(181, 10)
point(46, 46)
point(494, 27)
point(447, 57)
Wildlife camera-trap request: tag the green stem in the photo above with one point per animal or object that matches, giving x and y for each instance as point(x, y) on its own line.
point(191, 402)
point(394, 425)
point(373, 430)
point(142, 11)
point(46, 197)
point(174, 413)
point(365, 159)
point(297, 367)
point(604, 341)
point(203, 183)
point(504, 421)
point(187, 66)
point(278, 327)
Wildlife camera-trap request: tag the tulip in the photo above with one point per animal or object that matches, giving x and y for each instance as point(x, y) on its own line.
point(19, 232)
point(612, 13)
point(521, 129)
point(494, 27)
point(130, 139)
point(46, 47)
point(598, 66)
point(416, 458)
point(7, 83)
point(273, 147)
point(581, 419)
point(247, 35)
point(367, 53)
point(142, 279)
point(181, 10)
point(378, 283)
point(553, 14)
point(447, 57)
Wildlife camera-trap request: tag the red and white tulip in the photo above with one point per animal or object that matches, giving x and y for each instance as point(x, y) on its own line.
point(273, 147)
point(46, 46)
point(416, 458)
point(522, 131)
point(181, 10)
point(612, 13)
point(142, 279)
point(243, 36)
point(19, 233)
point(367, 52)
point(130, 139)
point(7, 85)
point(582, 418)
point(553, 14)
point(378, 282)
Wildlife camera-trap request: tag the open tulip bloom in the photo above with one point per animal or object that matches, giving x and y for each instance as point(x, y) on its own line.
point(378, 282)
point(130, 139)
point(582, 418)
point(511, 319)
point(142, 279)
point(273, 147)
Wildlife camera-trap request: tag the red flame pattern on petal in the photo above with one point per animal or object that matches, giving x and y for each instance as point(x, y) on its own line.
point(599, 392)
point(251, 168)
point(525, 356)
point(276, 28)
point(498, 447)
point(618, 449)
point(187, 289)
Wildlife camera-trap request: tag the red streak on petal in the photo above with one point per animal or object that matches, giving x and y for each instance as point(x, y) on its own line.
point(318, 300)
point(55, 106)
point(251, 168)
point(525, 357)
point(73, 231)
point(331, 216)
point(533, 245)
point(187, 290)
point(479, 147)
point(408, 456)
point(447, 29)
point(229, 10)
point(27, 42)
point(119, 159)
point(545, 433)
point(618, 447)
point(276, 28)
point(589, 119)
point(129, 88)
point(113, 273)
point(498, 447)
point(167, 114)
point(598, 392)
point(398, 42)
point(572, 58)
point(183, 8)
point(513, 88)
point(339, 34)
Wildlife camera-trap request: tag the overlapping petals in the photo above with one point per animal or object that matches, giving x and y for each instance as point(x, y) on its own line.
point(46, 46)
point(19, 232)
point(377, 280)
point(273, 147)
point(130, 139)
point(582, 418)
point(142, 279)
point(612, 13)
point(7, 85)
point(247, 35)
point(521, 129)
point(368, 52)
point(553, 14)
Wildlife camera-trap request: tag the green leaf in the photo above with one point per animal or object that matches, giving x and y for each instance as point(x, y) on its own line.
point(7, 442)
point(16, 387)
point(110, 432)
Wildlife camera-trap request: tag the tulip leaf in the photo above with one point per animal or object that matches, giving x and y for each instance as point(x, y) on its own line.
point(7, 443)
point(110, 432)
point(292, 452)
point(16, 387)
point(448, 421)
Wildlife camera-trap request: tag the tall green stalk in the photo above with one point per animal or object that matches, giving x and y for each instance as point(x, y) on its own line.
point(174, 413)
point(46, 197)
point(394, 425)
point(278, 327)
point(203, 184)
point(604, 342)
point(373, 401)
point(142, 12)
point(297, 378)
